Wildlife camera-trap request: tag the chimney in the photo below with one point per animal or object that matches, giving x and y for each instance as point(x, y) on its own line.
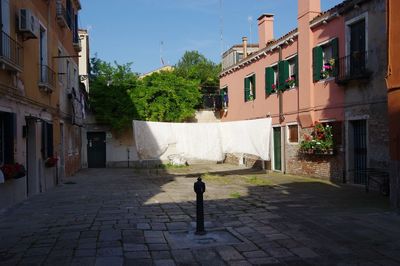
point(265, 29)
point(244, 39)
point(309, 8)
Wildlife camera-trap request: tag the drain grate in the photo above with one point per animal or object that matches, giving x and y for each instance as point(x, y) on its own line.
point(69, 183)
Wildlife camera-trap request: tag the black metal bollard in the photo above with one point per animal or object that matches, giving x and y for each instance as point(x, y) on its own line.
point(199, 188)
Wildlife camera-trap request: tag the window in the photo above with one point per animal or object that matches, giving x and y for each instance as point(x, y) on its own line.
point(7, 136)
point(357, 47)
point(293, 79)
point(47, 140)
point(43, 61)
point(250, 88)
point(224, 97)
point(326, 60)
point(293, 133)
point(5, 16)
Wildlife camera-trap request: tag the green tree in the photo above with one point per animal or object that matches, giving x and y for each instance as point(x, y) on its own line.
point(166, 97)
point(109, 98)
point(195, 66)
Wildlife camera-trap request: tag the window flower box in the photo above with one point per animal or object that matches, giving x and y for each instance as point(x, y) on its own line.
point(13, 171)
point(290, 82)
point(51, 162)
point(327, 69)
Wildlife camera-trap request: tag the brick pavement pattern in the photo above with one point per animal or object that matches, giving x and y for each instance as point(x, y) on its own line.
point(122, 217)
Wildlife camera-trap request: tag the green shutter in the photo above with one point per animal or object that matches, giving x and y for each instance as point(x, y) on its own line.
point(296, 70)
point(317, 63)
point(283, 73)
point(269, 80)
point(246, 89)
point(335, 55)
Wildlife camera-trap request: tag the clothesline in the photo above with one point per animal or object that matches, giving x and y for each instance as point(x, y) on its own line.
point(204, 141)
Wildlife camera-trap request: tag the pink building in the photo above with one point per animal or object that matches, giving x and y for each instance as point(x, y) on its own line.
point(314, 73)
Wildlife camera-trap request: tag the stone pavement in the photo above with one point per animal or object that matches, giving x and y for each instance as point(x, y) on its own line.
point(131, 217)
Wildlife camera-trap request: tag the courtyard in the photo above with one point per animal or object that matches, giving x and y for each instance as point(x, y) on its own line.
point(147, 217)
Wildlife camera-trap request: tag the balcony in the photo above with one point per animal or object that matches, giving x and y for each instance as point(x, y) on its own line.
point(211, 102)
point(47, 79)
point(11, 53)
point(77, 44)
point(62, 15)
point(353, 67)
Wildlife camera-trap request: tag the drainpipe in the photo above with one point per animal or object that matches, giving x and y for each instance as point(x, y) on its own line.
point(281, 119)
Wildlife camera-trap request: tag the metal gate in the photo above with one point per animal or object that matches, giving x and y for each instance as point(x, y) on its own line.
point(360, 151)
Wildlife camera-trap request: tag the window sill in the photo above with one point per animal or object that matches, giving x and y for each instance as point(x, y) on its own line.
point(326, 80)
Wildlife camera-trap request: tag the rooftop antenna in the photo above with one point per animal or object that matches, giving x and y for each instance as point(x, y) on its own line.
point(161, 53)
point(221, 22)
point(250, 19)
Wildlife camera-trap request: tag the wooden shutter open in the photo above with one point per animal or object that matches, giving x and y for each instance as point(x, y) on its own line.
point(317, 63)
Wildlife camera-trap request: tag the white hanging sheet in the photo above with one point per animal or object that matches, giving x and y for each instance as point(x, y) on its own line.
point(204, 141)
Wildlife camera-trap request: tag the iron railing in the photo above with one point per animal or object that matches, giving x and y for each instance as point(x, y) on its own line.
point(352, 67)
point(212, 101)
point(62, 14)
point(11, 52)
point(47, 78)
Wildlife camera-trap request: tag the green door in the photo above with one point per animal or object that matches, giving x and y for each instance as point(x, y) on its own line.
point(277, 149)
point(96, 149)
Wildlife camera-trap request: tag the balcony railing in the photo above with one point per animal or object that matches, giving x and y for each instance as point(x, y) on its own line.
point(47, 79)
point(77, 44)
point(11, 53)
point(353, 67)
point(62, 15)
point(212, 101)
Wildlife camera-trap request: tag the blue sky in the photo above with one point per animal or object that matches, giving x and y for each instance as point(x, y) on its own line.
point(132, 30)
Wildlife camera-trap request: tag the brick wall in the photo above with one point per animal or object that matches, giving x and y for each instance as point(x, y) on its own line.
point(329, 167)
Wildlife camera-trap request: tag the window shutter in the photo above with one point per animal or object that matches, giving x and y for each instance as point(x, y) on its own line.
point(335, 55)
point(269, 80)
point(246, 89)
point(317, 63)
point(283, 73)
point(296, 70)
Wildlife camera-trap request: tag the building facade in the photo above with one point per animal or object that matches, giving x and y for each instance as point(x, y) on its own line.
point(329, 71)
point(38, 109)
point(393, 82)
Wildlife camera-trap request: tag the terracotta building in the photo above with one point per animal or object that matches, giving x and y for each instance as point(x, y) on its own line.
point(328, 71)
point(393, 82)
point(40, 105)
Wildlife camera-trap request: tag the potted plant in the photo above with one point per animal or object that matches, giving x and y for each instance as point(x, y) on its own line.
point(50, 161)
point(327, 69)
point(290, 82)
point(273, 87)
point(13, 171)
